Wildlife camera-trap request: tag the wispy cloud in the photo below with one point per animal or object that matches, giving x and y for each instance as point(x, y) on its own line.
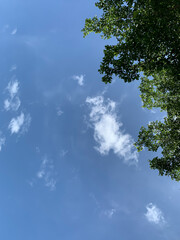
point(110, 209)
point(59, 112)
point(14, 31)
point(109, 212)
point(63, 153)
point(114, 209)
point(107, 130)
point(47, 173)
point(154, 214)
point(13, 87)
point(13, 102)
point(80, 79)
point(13, 68)
point(16, 123)
point(2, 141)
point(20, 124)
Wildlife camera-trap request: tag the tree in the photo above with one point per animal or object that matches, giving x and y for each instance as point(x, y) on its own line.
point(161, 91)
point(147, 34)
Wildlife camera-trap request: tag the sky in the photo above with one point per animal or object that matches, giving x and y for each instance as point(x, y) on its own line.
point(68, 167)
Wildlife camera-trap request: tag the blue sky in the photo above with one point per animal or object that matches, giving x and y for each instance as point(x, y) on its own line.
point(68, 168)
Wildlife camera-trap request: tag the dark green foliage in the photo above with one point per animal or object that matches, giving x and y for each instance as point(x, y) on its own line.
point(147, 33)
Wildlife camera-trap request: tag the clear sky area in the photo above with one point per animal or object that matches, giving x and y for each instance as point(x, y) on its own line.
point(68, 167)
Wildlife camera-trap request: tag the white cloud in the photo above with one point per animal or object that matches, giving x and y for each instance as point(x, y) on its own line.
point(154, 214)
point(14, 31)
point(16, 123)
point(47, 174)
point(109, 212)
point(153, 111)
point(13, 88)
point(114, 209)
point(59, 112)
point(2, 141)
point(107, 130)
point(7, 104)
point(13, 102)
point(80, 79)
point(21, 122)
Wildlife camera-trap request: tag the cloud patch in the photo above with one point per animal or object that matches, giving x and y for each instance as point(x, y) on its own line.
point(13, 87)
point(59, 112)
point(10, 104)
point(20, 124)
point(14, 31)
point(79, 79)
point(109, 212)
point(47, 174)
point(13, 102)
point(2, 141)
point(154, 214)
point(108, 131)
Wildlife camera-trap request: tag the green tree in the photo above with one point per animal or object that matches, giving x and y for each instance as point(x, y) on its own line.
point(147, 34)
point(162, 92)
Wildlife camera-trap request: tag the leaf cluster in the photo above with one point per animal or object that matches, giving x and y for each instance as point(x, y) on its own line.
point(147, 34)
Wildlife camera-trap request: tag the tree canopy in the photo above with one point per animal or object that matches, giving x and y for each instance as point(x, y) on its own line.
point(147, 34)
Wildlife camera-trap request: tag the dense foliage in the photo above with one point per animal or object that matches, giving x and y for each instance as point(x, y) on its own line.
point(147, 34)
